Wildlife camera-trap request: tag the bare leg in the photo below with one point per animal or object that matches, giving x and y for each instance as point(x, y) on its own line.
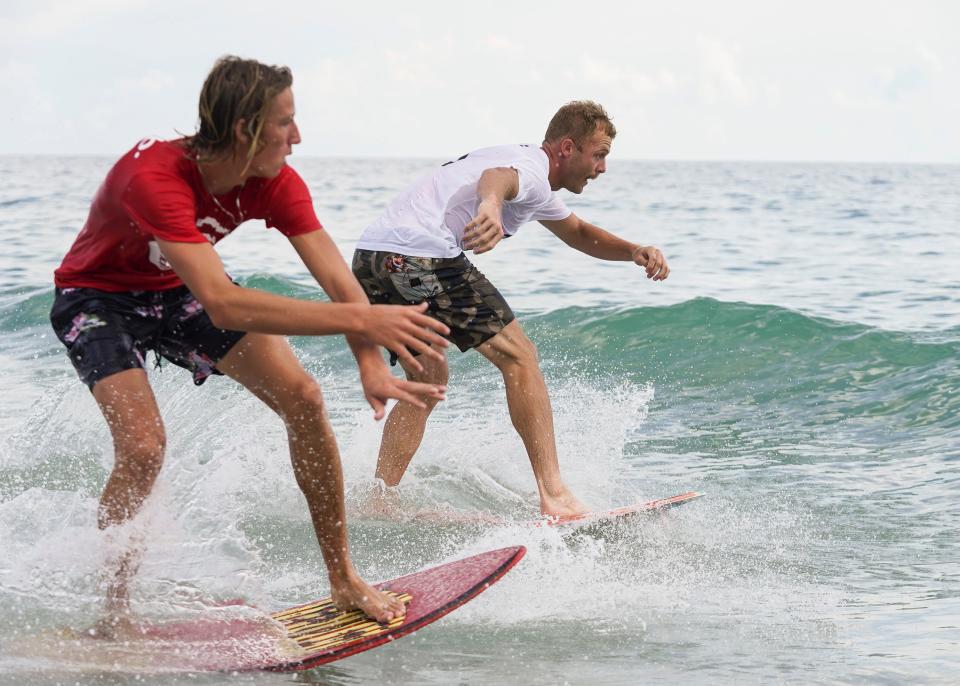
point(529, 403)
point(404, 427)
point(269, 369)
point(130, 408)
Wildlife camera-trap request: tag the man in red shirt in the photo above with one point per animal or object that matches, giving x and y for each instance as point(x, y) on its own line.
point(143, 275)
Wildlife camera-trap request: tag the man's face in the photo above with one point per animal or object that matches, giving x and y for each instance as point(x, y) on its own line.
point(279, 135)
point(585, 162)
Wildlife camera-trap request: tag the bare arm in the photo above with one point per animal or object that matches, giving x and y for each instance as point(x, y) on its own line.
point(496, 186)
point(594, 241)
point(323, 259)
point(247, 309)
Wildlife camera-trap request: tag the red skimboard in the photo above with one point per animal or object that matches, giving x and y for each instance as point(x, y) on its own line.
point(620, 512)
point(309, 635)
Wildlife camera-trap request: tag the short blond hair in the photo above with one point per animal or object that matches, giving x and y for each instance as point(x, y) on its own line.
point(578, 120)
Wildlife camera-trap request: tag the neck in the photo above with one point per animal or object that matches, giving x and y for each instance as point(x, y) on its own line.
point(553, 164)
point(220, 176)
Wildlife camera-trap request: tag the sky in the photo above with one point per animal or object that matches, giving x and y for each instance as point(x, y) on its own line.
point(845, 80)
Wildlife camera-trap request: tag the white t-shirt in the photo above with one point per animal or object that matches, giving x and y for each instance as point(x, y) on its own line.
point(427, 219)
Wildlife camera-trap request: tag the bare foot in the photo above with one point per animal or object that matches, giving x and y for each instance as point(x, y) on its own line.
point(116, 627)
point(355, 593)
point(563, 504)
point(381, 502)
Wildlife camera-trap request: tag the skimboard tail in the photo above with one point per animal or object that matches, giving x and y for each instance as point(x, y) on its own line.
point(617, 513)
point(325, 634)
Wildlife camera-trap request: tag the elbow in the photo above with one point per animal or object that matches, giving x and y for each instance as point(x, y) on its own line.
point(221, 313)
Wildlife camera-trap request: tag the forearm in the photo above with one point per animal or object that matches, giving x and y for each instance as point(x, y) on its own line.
point(342, 287)
point(247, 309)
point(596, 242)
point(324, 262)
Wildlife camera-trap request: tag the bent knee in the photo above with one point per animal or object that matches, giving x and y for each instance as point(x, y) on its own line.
point(516, 351)
point(304, 399)
point(142, 453)
point(433, 373)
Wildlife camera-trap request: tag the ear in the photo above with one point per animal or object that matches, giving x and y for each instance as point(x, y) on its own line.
point(240, 132)
point(567, 147)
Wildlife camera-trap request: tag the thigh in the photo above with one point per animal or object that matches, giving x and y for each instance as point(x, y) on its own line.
point(510, 345)
point(189, 338)
point(456, 292)
point(104, 333)
point(469, 304)
point(373, 269)
point(130, 408)
point(267, 366)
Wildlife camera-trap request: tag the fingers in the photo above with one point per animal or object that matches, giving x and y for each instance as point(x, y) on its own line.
point(406, 329)
point(407, 398)
point(425, 337)
point(423, 319)
point(405, 355)
point(422, 342)
point(379, 407)
point(654, 262)
point(657, 268)
point(405, 391)
point(422, 389)
point(484, 242)
point(487, 244)
point(482, 233)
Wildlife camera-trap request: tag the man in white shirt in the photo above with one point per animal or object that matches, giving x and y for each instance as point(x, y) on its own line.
point(414, 252)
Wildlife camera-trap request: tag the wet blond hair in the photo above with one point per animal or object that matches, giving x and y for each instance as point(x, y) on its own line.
point(235, 89)
point(578, 120)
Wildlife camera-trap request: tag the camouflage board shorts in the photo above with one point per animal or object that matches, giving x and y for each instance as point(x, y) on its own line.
point(456, 292)
point(107, 332)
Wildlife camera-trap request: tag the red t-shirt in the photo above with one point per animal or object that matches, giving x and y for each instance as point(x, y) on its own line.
point(156, 191)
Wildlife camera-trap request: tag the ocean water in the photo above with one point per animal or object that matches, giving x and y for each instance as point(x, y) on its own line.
point(801, 366)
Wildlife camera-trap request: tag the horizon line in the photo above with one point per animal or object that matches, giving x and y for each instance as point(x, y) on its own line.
point(658, 160)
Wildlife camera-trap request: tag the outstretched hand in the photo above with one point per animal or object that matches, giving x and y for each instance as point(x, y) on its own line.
point(485, 230)
point(653, 260)
point(402, 328)
point(379, 386)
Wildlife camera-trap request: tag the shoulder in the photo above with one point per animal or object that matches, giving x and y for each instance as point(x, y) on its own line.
point(155, 177)
point(150, 153)
point(508, 154)
point(286, 186)
point(531, 165)
point(527, 158)
point(153, 161)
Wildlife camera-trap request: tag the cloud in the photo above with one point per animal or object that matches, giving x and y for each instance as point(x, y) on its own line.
point(903, 82)
point(48, 20)
point(382, 79)
point(154, 81)
point(499, 43)
point(419, 67)
point(606, 73)
point(723, 77)
point(929, 58)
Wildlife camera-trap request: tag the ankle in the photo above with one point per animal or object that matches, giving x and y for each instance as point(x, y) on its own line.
point(555, 490)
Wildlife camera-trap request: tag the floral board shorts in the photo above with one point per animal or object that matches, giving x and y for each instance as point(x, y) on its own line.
point(106, 332)
point(457, 293)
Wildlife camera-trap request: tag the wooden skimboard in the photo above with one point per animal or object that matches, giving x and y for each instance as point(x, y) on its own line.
point(309, 635)
point(620, 512)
